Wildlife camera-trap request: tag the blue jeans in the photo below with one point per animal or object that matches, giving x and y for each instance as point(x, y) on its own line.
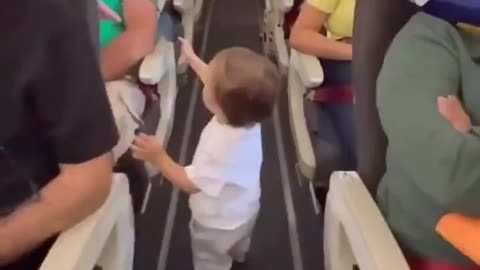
point(331, 125)
point(166, 27)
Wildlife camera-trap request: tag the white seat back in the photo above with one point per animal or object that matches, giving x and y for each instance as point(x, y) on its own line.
point(105, 238)
point(355, 231)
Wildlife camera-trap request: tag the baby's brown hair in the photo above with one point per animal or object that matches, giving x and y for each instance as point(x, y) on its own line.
point(246, 86)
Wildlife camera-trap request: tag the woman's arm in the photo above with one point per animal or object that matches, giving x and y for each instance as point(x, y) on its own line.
point(135, 43)
point(306, 36)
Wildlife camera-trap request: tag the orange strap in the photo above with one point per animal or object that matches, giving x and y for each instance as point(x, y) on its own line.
point(463, 233)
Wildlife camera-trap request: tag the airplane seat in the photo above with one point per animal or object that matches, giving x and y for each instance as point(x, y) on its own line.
point(190, 12)
point(291, 17)
point(321, 149)
point(105, 238)
point(316, 88)
point(274, 36)
point(355, 231)
point(157, 80)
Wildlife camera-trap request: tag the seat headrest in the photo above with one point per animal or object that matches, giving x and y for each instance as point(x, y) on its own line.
point(376, 23)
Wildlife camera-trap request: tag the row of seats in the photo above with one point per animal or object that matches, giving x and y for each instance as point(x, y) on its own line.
point(106, 238)
point(355, 231)
point(304, 73)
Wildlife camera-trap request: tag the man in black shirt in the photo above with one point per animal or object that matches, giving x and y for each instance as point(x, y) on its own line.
point(55, 124)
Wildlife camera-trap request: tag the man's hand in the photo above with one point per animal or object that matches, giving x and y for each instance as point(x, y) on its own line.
point(452, 110)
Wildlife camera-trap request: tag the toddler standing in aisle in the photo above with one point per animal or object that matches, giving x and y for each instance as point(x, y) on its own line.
point(240, 90)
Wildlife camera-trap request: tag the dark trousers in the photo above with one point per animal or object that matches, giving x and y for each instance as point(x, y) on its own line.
point(331, 125)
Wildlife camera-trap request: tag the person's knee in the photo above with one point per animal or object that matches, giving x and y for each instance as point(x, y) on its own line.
point(328, 156)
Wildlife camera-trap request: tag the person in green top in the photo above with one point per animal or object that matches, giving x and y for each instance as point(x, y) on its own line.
point(428, 96)
point(123, 46)
point(126, 43)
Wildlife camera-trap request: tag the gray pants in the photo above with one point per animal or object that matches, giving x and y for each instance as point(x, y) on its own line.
point(215, 249)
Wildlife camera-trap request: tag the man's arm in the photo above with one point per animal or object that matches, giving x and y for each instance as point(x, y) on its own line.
point(135, 43)
point(70, 99)
point(73, 195)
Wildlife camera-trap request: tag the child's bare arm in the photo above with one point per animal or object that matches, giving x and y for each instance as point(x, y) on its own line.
point(199, 67)
point(176, 174)
point(189, 57)
point(147, 148)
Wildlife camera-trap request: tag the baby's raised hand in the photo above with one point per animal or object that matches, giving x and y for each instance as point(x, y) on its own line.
point(452, 110)
point(187, 52)
point(148, 148)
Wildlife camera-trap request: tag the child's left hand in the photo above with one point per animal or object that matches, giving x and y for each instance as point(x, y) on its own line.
point(147, 148)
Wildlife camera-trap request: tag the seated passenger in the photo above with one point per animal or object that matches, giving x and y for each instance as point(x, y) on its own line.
point(429, 111)
point(56, 128)
point(123, 45)
point(329, 111)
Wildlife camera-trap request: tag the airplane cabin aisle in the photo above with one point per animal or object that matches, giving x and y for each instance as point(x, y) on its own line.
point(288, 234)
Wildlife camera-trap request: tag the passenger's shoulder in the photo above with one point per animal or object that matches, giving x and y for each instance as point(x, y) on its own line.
point(53, 14)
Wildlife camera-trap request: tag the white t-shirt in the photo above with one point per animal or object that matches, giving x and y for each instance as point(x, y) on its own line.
point(226, 169)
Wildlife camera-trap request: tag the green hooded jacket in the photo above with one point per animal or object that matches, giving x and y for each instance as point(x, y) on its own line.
point(431, 168)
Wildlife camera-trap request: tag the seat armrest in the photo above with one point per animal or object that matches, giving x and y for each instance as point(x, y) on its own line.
point(301, 136)
point(308, 68)
point(183, 5)
point(285, 5)
point(80, 247)
point(153, 66)
point(355, 225)
point(161, 5)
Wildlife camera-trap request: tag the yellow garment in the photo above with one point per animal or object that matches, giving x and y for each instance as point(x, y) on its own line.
point(470, 29)
point(340, 21)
